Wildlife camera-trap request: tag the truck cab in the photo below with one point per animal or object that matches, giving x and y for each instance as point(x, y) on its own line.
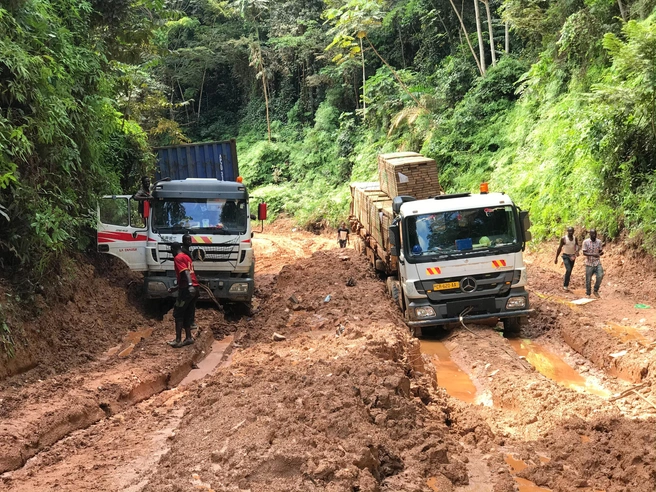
point(213, 212)
point(460, 257)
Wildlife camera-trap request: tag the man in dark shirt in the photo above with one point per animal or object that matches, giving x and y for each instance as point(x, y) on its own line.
point(143, 194)
point(342, 235)
point(184, 310)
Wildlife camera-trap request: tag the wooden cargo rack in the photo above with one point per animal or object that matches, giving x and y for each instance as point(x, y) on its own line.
point(408, 173)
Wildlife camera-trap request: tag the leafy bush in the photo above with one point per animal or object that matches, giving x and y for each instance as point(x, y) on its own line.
point(264, 163)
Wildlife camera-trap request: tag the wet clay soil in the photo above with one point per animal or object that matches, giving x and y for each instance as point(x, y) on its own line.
point(346, 400)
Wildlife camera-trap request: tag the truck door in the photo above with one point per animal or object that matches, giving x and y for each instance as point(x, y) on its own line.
point(122, 230)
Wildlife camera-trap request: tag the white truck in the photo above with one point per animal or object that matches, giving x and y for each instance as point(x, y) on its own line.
point(214, 211)
point(448, 257)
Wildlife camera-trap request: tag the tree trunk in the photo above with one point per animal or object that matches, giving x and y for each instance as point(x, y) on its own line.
point(265, 90)
point(479, 31)
point(490, 31)
point(507, 38)
point(200, 97)
point(266, 103)
point(464, 30)
point(401, 44)
point(622, 10)
point(364, 102)
point(183, 100)
point(259, 64)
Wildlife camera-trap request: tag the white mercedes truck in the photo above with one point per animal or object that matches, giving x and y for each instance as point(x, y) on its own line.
point(448, 258)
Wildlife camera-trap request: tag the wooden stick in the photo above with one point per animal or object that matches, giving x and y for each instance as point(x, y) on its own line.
point(626, 393)
point(645, 398)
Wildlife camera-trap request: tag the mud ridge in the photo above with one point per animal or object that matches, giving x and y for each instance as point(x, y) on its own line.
point(35, 428)
point(602, 350)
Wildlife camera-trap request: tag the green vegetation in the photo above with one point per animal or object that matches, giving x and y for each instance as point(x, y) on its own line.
point(559, 110)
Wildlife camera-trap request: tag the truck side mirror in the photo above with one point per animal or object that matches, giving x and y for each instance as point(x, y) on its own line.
point(394, 239)
point(526, 225)
point(400, 200)
point(262, 211)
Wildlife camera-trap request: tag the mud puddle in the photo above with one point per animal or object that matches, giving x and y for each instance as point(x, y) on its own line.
point(627, 333)
point(210, 362)
point(129, 342)
point(523, 485)
point(553, 367)
point(454, 380)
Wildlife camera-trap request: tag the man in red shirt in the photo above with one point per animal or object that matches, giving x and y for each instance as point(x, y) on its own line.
point(184, 310)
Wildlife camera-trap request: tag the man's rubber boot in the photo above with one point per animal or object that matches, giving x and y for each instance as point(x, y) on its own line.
point(188, 338)
point(177, 343)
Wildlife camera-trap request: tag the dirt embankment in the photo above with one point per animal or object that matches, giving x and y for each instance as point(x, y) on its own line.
point(79, 323)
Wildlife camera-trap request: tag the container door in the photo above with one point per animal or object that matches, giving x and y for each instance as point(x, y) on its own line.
point(122, 230)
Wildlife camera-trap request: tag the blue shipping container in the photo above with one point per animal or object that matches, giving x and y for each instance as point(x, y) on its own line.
point(200, 160)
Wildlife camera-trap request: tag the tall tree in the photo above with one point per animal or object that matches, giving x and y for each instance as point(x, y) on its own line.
point(254, 12)
point(466, 34)
point(490, 31)
point(353, 20)
point(479, 32)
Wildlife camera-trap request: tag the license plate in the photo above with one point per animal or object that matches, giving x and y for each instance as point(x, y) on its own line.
point(446, 285)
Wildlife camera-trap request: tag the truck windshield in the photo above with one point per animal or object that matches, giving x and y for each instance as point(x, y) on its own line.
point(210, 216)
point(462, 232)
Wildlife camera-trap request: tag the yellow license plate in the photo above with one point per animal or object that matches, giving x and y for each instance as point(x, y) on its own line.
point(446, 285)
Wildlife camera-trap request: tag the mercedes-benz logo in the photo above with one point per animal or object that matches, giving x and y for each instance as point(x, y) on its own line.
point(468, 284)
point(198, 254)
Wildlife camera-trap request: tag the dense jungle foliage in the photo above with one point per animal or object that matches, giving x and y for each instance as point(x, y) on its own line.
point(551, 101)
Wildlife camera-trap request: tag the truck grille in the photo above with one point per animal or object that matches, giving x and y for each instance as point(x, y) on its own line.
point(487, 284)
point(205, 253)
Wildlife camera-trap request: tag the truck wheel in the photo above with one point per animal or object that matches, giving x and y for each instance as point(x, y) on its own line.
point(393, 293)
point(512, 326)
point(358, 246)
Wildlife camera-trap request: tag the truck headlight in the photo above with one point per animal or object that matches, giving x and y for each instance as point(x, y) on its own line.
point(425, 312)
point(239, 288)
point(516, 303)
point(157, 287)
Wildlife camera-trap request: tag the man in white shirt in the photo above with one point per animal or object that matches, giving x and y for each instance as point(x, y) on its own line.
point(569, 245)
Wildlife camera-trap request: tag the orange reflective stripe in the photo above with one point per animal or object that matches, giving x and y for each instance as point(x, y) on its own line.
point(433, 271)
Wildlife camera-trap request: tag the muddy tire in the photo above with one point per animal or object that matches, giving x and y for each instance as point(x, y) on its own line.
point(358, 245)
point(394, 289)
point(512, 326)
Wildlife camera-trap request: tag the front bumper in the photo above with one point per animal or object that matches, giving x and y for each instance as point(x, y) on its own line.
point(446, 321)
point(475, 308)
point(229, 288)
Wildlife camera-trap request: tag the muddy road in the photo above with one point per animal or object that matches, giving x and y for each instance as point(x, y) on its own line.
point(321, 388)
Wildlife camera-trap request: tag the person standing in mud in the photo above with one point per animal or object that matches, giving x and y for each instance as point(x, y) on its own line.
point(343, 235)
point(187, 241)
point(143, 194)
point(592, 250)
point(184, 310)
point(569, 245)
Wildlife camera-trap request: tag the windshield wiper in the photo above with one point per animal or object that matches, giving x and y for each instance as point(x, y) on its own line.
point(507, 248)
